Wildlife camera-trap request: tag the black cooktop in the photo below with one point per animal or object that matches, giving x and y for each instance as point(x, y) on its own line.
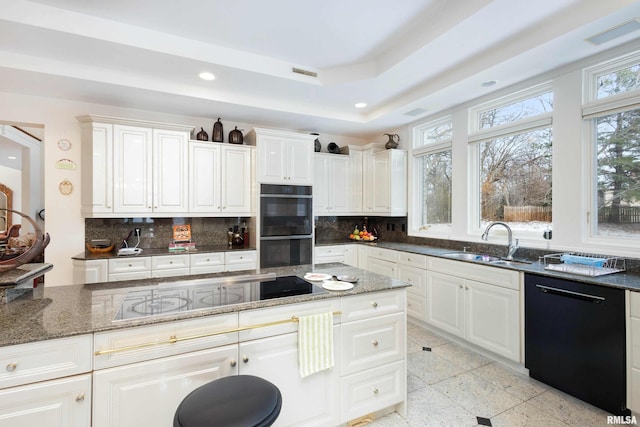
point(201, 294)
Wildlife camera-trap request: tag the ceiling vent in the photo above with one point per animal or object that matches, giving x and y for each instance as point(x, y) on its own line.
point(304, 72)
point(615, 32)
point(416, 112)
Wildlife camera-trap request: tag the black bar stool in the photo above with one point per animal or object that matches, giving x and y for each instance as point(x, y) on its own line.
point(234, 401)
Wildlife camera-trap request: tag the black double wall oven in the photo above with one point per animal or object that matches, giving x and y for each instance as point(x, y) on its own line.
point(286, 225)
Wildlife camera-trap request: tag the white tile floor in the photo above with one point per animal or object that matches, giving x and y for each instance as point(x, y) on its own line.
point(450, 386)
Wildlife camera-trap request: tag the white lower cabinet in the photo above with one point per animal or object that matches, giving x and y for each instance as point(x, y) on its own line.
point(90, 271)
point(46, 383)
point(63, 402)
point(327, 254)
point(382, 261)
point(148, 393)
point(309, 401)
point(485, 314)
point(145, 267)
point(411, 268)
point(373, 353)
point(137, 376)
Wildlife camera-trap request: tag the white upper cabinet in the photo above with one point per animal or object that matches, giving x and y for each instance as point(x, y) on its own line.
point(220, 178)
point(331, 184)
point(170, 171)
point(283, 157)
point(97, 168)
point(150, 170)
point(132, 163)
point(385, 183)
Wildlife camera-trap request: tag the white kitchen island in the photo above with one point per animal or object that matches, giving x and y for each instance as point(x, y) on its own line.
point(126, 373)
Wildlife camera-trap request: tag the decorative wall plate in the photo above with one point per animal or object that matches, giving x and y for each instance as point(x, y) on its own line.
point(64, 144)
point(66, 164)
point(66, 187)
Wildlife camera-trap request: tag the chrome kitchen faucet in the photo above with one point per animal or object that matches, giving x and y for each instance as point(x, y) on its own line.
point(511, 247)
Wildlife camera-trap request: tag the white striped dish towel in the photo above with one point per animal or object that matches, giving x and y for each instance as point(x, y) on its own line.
point(315, 343)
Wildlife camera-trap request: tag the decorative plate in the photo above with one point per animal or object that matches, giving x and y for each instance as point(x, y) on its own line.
point(316, 277)
point(336, 285)
point(64, 144)
point(66, 187)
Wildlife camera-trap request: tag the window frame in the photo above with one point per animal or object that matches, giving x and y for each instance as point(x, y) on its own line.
point(476, 136)
point(417, 152)
point(592, 109)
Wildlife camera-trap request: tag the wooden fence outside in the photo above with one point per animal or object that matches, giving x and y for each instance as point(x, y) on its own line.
point(527, 213)
point(627, 215)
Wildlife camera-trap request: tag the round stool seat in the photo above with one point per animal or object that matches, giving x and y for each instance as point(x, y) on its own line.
point(235, 401)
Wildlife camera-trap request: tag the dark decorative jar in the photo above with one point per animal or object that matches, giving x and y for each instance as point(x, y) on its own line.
point(316, 145)
point(235, 136)
point(202, 135)
point(217, 131)
point(333, 148)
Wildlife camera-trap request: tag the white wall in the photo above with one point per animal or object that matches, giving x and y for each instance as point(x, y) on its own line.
point(63, 220)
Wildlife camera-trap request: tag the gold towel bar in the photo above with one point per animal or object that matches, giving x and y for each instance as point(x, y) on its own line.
point(173, 339)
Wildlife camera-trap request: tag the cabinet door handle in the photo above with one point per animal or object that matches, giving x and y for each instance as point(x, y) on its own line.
point(375, 343)
point(460, 286)
point(245, 358)
point(80, 397)
point(233, 363)
point(375, 391)
point(11, 367)
point(466, 288)
point(374, 304)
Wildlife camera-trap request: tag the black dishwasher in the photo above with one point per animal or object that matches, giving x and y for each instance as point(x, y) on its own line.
point(575, 339)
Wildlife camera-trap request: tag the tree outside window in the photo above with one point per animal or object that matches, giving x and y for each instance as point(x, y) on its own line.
point(514, 164)
point(618, 159)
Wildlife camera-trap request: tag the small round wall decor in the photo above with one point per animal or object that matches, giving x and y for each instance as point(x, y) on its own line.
point(64, 144)
point(66, 187)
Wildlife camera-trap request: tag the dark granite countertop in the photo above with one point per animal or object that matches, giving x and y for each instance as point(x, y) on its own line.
point(86, 255)
point(624, 280)
point(64, 311)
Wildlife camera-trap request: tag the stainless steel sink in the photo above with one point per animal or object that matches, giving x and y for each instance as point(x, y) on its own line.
point(471, 256)
point(510, 263)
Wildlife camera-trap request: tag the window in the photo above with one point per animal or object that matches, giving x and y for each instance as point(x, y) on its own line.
point(432, 176)
point(511, 144)
point(612, 110)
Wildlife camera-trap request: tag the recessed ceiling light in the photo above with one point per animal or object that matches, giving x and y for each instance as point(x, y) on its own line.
point(361, 105)
point(206, 76)
point(488, 83)
point(12, 157)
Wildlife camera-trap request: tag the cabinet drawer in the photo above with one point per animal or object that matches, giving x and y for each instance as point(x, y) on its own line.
point(381, 266)
point(372, 304)
point(207, 260)
point(372, 342)
point(328, 251)
point(413, 260)
point(207, 263)
point(384, 254)
point(481, 273)
point(170, 262)
point(171, 272)
point(158, 337)
point(372, 390)
point(241, 257)
point(280, 313)
point(416, 277)
point(129, 264)
point(44, 360)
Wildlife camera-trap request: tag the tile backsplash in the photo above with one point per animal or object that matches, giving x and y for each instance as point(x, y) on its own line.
point(157, 233)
